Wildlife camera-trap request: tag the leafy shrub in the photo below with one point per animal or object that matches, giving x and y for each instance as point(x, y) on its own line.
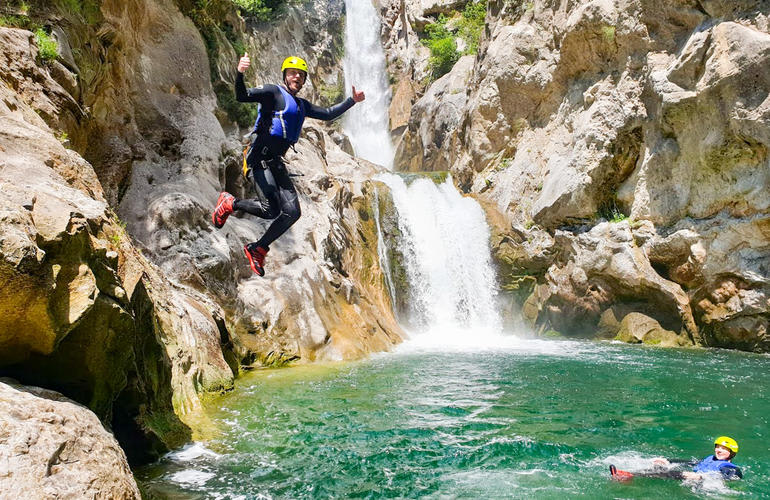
point(443, 48)
point(470, 25)
point(16, 15)
point(48, 49)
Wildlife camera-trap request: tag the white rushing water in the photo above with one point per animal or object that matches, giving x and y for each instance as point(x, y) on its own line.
point(444, 241)
point(444, 236)
point(366, 124)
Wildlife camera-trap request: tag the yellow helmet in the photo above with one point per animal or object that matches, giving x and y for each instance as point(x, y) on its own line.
point(295, 63)
point(728, 442)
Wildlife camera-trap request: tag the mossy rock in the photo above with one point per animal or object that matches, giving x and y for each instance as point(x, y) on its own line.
point(637, 328)
point(438, 177)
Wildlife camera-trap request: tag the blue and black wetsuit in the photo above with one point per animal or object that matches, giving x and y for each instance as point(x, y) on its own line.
point(727, 469)
point(277, 128)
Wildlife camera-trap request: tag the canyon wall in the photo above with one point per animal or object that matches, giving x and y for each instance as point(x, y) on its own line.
point(621, 148)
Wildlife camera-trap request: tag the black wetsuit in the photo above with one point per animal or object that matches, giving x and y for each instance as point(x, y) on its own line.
point(266, 158)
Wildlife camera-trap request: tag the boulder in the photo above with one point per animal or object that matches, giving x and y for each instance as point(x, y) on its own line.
point(636, 328)
point(600, 269)
point(52, 447)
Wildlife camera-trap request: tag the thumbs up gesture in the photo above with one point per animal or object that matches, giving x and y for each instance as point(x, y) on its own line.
point(244, 63)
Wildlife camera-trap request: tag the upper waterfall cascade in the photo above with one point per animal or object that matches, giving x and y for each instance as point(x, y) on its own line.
point(367, 123)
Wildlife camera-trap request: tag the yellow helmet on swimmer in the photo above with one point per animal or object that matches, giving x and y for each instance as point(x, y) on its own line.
point(294, 62)
point(728, 442)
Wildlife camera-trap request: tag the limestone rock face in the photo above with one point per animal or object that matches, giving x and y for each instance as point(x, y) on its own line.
point(605, 268)
point(311, 304)
point(75, 289)
point(406, 57)
point(433, 117)
point(52, 447)
point(589, 111)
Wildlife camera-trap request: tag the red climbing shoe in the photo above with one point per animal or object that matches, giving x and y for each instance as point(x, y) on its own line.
point(256, 256)
point(223, 209)
point(620, 475)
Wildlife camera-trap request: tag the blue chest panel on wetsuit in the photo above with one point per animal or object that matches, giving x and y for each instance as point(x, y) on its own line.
point(711, 464)
point(286, 123)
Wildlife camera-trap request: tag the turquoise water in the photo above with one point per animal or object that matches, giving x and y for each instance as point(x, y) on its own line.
point(529, 419)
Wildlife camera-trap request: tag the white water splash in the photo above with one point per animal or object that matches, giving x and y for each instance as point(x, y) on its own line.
point(366, 124)
point(191, 451)
point(445, 246)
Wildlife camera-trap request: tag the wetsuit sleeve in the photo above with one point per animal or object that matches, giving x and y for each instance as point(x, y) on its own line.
point(319, 113)
point(264, 95)
point(731, 473)
point(682, 461)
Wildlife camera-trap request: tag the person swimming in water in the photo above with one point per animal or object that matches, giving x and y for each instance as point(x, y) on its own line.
point(725, 448)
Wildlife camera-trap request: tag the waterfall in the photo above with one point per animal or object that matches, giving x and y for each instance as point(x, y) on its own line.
point(443, 243)
point(382, 250)
point(444, 250)
point(367, 124)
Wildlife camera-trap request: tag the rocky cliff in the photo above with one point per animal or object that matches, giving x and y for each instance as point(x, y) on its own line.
point(116, 289)
point(622, 149)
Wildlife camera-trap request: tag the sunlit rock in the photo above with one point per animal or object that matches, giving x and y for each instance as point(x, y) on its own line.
point(52, 447)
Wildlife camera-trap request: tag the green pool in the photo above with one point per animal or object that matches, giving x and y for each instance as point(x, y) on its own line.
point(518, 419)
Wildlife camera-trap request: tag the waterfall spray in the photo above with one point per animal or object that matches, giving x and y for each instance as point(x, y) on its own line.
point(445, 246)
point(367, 123)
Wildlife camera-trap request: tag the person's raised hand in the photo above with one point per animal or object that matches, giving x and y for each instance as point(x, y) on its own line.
point(358, 95)
point(244, 63)
point(660, 461)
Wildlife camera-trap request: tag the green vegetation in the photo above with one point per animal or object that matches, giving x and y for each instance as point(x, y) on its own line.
point(470, 25)
point(87, 10)
point(15, 14)
point(443, 48)
point(438, 177)
point(47, 46)
point(609, 211)
point(120, 230)
point(64, 138)
point(261, 10)
point(332, 94)
point(608, 34)
point(441, 37)
point(22, 22)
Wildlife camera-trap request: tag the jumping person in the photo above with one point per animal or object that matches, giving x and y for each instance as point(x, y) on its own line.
point(277, 128)
point(725, 448)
